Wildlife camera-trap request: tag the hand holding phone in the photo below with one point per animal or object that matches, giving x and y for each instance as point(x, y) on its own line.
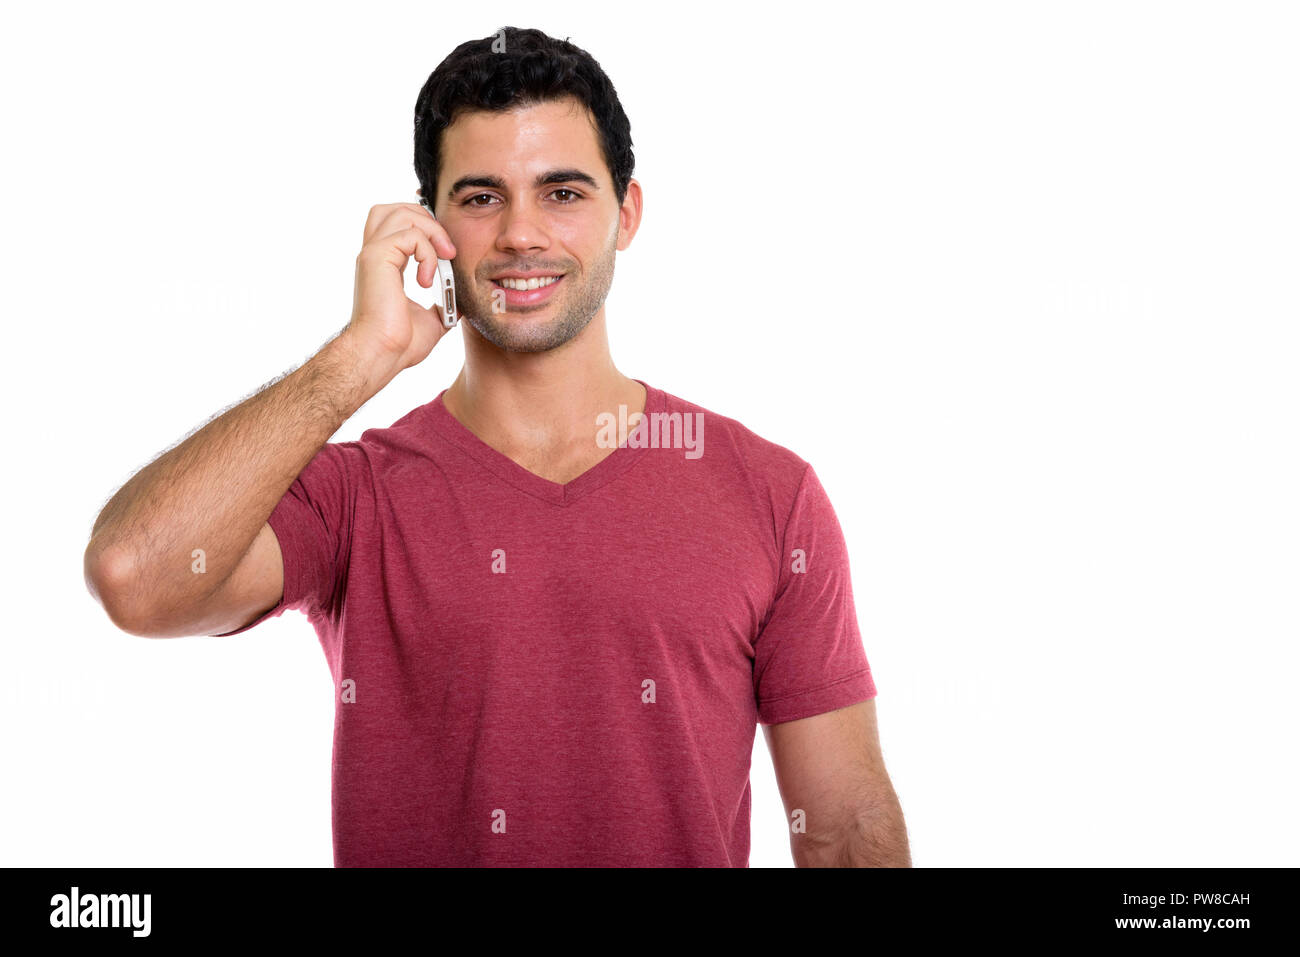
point(446, 284)
point(389, 328)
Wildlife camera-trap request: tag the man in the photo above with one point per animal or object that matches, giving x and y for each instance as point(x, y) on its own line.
point(555, 600)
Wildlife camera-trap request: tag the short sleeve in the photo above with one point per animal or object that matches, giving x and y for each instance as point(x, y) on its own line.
point(808, 657)
point(313, 524)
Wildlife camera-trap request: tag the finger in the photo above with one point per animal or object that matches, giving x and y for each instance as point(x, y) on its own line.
point(375, 219)
point(398, 216)
point(398, 248)
point(423, 218)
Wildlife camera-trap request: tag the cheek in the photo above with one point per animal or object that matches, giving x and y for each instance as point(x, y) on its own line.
point(593, 236)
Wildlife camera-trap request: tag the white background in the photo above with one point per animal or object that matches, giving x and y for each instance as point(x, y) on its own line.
point(1040, 346)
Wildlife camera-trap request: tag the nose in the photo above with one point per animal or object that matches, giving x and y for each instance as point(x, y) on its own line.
point(522, 231)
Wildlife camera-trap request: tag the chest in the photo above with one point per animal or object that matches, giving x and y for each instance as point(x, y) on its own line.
point(682, 584)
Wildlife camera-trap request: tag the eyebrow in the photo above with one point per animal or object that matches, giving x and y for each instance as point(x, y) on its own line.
point(545, 179)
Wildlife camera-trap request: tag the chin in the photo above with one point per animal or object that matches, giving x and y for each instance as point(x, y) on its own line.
point(522, 332)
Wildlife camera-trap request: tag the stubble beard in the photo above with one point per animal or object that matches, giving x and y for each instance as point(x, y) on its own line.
point(515, 331)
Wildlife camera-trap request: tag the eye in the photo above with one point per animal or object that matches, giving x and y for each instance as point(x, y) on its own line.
point(572, 197)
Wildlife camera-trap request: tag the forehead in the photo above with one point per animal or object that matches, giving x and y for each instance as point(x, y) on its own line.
point(523, 140)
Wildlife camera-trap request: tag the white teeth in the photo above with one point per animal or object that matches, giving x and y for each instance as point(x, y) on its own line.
point(534, 283)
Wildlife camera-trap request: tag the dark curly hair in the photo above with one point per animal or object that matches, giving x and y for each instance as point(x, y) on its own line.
point(533, 68)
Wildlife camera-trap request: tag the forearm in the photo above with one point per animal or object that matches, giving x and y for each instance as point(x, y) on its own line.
point(216, 489)
point(874, 836)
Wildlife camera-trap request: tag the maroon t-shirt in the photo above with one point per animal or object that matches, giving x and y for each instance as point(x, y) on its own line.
point(536, 674)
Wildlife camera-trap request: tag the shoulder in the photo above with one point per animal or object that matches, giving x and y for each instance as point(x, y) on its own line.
point(379, 449)
point(741, 455)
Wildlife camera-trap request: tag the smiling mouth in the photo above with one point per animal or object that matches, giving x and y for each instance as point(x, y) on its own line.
point(523, 285)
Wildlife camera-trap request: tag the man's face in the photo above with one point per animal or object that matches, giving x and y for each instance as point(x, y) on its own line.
point(528, 191)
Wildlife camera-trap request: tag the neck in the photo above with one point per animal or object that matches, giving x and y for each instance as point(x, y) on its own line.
point(529, 403)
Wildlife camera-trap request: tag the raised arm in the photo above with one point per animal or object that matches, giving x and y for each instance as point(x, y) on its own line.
point(193, 521)
point(205, 503)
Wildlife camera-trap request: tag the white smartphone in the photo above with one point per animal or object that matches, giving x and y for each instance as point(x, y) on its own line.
point(446, 284)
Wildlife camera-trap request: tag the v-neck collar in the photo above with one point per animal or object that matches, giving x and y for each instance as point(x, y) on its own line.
point(610, 467)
